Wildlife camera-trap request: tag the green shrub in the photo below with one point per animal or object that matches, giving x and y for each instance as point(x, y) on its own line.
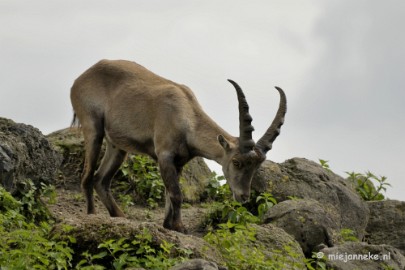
point(216, 190)
point(140, 177)
point(364, 185)
point(368, 185)
point(348, 235)
point(240, 250)
point(232, 211)
point(316, 262)
point(25, 241)
point(141, 252)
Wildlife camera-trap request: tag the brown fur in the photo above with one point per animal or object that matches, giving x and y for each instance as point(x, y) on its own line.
point(138, 111)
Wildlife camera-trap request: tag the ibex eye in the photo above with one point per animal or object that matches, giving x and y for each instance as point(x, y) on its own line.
point(236, 163)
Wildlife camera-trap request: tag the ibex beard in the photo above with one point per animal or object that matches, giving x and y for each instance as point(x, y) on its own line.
point(137, 111)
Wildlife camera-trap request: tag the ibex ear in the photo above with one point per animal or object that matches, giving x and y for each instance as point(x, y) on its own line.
point(223, 142)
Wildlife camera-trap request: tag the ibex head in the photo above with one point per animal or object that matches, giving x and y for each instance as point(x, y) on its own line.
point(244, 157)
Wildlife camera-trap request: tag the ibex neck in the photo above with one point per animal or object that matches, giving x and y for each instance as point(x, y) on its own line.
point(206, 142)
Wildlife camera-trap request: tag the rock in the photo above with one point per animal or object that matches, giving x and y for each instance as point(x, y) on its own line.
point(358, 255)
point(196, 264)
point(194, 179)
point(92, 230)
point(25, 153)
point(70, 144)
point(299, 177)
point(279, 247)
point(307, 221)
point(387, 223)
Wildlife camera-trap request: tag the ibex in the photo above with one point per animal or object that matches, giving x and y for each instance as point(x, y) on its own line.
point(138, 111)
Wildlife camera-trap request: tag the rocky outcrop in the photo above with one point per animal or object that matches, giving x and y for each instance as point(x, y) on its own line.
point(305, 179)
point(92, 230)
point(357, 255)
point(279, 246)
point(25, 154)
point(308, 222)
point(314, 206)
point(387, 224)
point(194, 179)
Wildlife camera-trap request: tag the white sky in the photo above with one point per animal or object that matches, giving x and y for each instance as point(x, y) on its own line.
point(340, 62)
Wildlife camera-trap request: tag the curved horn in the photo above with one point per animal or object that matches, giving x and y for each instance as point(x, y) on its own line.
point(246, 142)
point(265, 143)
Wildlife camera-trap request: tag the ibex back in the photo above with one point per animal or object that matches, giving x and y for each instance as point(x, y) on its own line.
point(138, 111)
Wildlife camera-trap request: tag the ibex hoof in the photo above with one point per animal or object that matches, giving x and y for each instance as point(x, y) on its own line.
point(176, 227)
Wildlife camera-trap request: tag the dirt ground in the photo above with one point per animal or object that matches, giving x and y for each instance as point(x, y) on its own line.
point(71, 205)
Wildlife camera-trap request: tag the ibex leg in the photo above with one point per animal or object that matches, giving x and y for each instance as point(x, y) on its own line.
point(93, 142)
point(112, 160)
point(174, 198)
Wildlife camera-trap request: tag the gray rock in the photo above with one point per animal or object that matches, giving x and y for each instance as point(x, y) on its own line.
point(25, 154)
point(308, 222)
point(194, 179)
point(196, 264)
point(358, 255)
point(387, 223)
point(279, 247)
point(299, 177)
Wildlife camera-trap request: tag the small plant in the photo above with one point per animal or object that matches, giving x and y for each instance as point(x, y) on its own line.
point(29, 196)
point(348, 235)
point(141, 176)
point(364, 184)
point(316, 262)
point(216, 190)
point(325, 164)
point(126, 201)
point(265, 201)
point(237, 213)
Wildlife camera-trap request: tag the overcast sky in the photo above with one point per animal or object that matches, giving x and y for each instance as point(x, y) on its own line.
point(341, 64)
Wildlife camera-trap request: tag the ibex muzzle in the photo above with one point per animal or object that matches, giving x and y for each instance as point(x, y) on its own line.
point(137, 111)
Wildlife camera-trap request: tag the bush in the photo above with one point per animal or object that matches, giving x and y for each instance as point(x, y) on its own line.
point(364, 184)
point(25, 242)
point(141, 178)
point(123, 254)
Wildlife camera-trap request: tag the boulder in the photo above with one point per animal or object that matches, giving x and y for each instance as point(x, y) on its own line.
point(92, 230)
point(301, 178)
point(70, 144)
point(279, 247)
point(25, 153)
point(360, 255)
point(387, 223)
point(308, 222)
point(194, 179)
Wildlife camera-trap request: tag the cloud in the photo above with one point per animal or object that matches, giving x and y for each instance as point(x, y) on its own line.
point(340, 63)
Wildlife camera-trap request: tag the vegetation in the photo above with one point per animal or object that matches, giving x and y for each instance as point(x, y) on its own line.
point(348, 235)
point(367, 185)
point(123, 253)
point(28, 241)
point(25, 227)
point(141, 180)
